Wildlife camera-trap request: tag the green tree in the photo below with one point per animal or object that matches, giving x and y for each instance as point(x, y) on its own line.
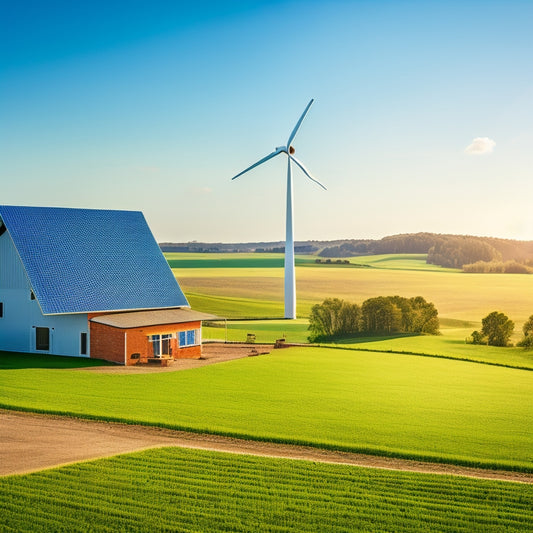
point(333, 317)
point(527, 329)
point(389, 314)
point(381, 315)
point(497, 328)
point(424, 316)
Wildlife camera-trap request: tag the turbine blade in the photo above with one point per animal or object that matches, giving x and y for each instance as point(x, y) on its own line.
point(306, 172)
point(298, 124)
point(269, 156)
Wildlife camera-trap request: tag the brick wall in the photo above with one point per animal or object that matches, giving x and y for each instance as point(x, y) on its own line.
point(106, 343)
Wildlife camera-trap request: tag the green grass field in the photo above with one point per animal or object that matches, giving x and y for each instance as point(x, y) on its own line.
point(399, 262)
point(450, 344)
point(231, 260)
point(398, 405)
point(185, 490)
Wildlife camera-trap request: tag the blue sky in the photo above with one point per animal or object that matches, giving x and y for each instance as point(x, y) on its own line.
point(154, 106)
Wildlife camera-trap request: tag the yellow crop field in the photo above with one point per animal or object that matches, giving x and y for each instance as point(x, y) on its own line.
point(241, 292)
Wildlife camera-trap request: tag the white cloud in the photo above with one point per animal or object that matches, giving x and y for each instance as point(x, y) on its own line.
point(480, 145)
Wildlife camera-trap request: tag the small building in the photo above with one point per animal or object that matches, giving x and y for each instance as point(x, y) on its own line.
point(90, 283)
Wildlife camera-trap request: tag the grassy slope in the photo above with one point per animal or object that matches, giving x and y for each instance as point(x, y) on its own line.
point(165, 489)
point(399, 262)
point(379, 403)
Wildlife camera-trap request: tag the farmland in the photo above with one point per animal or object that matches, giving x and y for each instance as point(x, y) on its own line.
point(175, 489)
point(237, 292)
point(420, 397)
point(462, 300)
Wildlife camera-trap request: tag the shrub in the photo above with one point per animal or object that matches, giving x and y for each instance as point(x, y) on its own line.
point(477, 338)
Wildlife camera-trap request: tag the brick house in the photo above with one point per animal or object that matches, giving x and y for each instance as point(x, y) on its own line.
point(90, 283)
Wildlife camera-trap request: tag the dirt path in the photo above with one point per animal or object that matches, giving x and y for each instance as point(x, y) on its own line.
point(31, 442)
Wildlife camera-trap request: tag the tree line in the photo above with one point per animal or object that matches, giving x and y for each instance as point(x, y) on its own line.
point(376, 316)
point(499, 267)
point(451, 251)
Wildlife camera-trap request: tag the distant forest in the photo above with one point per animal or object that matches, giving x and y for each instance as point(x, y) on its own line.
point(472, 254)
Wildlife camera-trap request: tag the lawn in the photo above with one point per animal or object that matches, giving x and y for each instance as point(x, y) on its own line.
point(398, 405)
point(190, 490)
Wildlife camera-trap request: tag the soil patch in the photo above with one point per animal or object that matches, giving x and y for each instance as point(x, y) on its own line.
point(32, 442)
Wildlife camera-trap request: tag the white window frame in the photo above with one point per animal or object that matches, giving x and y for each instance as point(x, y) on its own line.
point(197, 337)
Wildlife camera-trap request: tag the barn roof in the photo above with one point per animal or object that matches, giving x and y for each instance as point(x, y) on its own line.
point(89, 260)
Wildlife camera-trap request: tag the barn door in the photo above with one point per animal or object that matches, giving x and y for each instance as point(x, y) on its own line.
point(42, 339)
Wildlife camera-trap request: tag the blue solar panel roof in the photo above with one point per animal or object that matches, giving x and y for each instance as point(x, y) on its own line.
point(89, 260)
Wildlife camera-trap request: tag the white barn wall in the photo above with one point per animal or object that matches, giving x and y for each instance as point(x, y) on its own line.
point(21, 314)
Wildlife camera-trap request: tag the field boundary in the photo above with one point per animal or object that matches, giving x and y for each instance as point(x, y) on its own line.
point(323, 447)
point(106, 439)
point(421, 354)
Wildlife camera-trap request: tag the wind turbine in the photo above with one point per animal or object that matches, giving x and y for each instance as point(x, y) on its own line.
point(290, 279)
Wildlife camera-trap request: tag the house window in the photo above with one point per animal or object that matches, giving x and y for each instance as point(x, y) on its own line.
point(1, 309)
point(83, 343)
point(190, 337)
point(42, 339)
point(161, 345)
point(32, 296)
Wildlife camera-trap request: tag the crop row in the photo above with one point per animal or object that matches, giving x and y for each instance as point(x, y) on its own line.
point(186, 490)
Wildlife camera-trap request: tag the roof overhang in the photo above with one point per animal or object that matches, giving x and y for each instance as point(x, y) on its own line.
point(159, 317)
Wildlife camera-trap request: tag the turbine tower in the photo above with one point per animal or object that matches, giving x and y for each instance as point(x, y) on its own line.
point(290, 279)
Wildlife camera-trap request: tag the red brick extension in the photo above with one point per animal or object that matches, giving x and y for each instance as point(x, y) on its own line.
point(118, 345)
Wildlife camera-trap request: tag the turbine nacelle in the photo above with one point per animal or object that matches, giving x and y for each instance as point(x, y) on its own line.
point(284, 149)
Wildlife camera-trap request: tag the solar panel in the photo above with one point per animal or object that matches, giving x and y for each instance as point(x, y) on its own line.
point(89, 260)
